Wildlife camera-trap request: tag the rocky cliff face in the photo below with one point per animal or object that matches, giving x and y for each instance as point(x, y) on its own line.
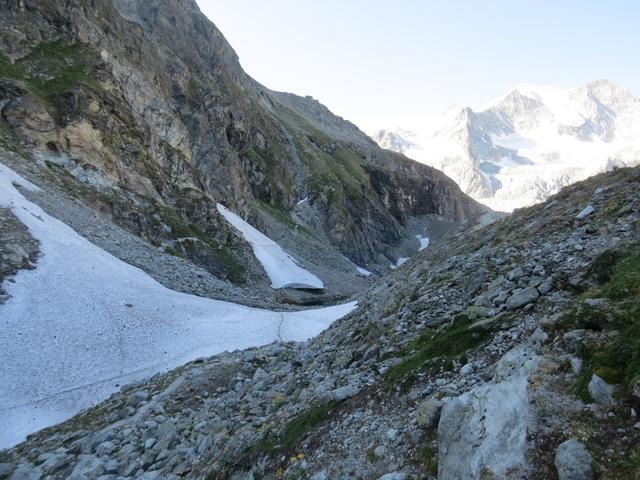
point(142, 110)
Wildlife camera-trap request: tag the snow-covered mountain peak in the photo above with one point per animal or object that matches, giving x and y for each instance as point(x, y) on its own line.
point(610, 94)
point(397, 140)
point(525, 145)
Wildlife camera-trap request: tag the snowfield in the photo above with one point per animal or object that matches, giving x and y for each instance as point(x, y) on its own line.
point(282, 269)
point(363, 271)
point(83, 323)
point(424, 242)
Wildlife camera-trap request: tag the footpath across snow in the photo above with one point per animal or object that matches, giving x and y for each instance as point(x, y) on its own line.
point(282, 269)
point(83, 323)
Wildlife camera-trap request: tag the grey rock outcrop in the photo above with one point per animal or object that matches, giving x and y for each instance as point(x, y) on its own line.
point(485, 429)
point(428, 413)
point(18, 249)
point(585, 212)
point(573, 461)
point(601, 391)
point(522, 297)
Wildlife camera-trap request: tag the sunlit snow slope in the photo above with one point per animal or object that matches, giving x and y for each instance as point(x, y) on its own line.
point(83, 323)
point(282, 269)
point(525, 146)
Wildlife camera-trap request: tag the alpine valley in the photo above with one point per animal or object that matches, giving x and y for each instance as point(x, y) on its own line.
point(202, 278)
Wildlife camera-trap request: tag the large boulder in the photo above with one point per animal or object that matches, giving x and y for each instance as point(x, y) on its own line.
point(393, 476)
point(428, 413)
point(484, 431)
point(573, 461)
point(522, 297)
point(601, 391)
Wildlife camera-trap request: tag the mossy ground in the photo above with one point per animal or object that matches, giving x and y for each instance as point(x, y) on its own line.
point(614, 355)
point(432, 351)
point(8, 139)
point(224, 253)
point(53, 68)
point(283, 217)
point(283, 444)
point(428, 459)
point(305, 422)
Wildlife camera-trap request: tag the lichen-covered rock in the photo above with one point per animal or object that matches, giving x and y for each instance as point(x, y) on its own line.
point(573, 461)
point(485, 429)
point(428, 413)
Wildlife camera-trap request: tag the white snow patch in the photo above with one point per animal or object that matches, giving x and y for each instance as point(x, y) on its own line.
point(84, 322)
point(401, 261)
point(363, 271)
point(305, 199)
point(282, 269)
point(424, 242)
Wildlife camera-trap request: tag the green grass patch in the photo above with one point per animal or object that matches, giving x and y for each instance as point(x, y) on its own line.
point(336, 171)
point(625, 277)
point(370, 455)
point(306, 421)
point(428, 460)
point(281, 215)
point(625, 468)
point(616, 356)
point(293, 432)
point(433, 351)
point(351, 164)
point(52, 68)
point(173, 251)
point(224, 253)
point(10, 70)
point(601, 269)
point(584, 316)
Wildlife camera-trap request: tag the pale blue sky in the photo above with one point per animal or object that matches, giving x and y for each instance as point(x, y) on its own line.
point(376, 62)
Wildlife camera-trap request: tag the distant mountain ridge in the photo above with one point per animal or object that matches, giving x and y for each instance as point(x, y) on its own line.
point(522, 147)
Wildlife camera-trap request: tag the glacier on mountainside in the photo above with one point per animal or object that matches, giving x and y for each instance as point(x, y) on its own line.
point(83, 322)
point(521, 148)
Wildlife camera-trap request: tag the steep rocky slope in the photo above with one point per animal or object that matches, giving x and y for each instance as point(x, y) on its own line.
point(141, 110)
point(507, 351)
